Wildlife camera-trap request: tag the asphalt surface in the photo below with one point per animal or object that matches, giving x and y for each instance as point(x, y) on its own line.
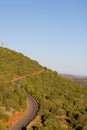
point(31, 113)
point(29, 116)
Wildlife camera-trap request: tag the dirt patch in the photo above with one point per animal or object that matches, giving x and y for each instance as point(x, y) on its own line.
point(36, 122)
point(16, 117)
point(63, 121)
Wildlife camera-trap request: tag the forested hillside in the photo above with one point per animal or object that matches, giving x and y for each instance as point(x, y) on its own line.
point(12, 98)
point(62, 103)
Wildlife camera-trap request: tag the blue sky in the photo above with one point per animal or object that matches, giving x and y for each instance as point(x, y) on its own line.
point(53, 32)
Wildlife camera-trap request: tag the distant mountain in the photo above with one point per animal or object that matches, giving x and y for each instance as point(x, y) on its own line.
point(74, 76)
point(68, 76)
point(62, 103)
point(80, 79)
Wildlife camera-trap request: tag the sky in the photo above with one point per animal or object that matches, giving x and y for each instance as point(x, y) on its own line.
point(53, 32)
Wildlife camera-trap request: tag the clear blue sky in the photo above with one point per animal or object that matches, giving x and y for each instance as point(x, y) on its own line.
point(53, 32)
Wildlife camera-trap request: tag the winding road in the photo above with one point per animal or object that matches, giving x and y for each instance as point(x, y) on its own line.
point(32, 106)
point(29, 116)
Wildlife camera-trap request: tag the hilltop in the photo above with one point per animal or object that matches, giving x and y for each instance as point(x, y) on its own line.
point(62, 103)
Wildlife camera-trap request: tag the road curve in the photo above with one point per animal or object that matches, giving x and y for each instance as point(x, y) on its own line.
point(29, 116)
point(32, 105)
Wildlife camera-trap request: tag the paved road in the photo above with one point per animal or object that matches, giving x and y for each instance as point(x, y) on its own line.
point(32, 107)
point(29, 116)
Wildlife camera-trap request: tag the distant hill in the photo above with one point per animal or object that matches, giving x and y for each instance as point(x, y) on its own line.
point(81, 80)
point(62, 103)
point(68, 76)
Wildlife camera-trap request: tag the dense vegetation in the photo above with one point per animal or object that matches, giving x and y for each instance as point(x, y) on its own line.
point(62, 103)
point(12, 64)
